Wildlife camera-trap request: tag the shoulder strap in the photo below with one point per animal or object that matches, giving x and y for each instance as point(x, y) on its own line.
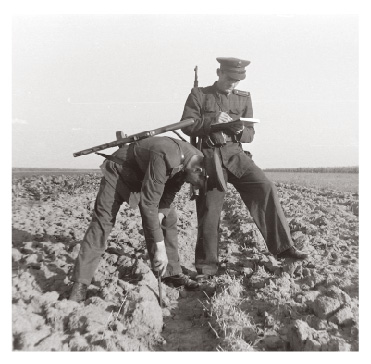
point(241, 93)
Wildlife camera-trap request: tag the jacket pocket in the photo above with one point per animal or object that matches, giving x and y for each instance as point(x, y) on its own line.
point(235, 113)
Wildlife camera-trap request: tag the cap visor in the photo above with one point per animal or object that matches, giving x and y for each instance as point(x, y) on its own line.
point(236, 76)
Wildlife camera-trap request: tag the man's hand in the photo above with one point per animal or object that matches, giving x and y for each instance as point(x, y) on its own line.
point(223, 117)
point(234, 127)
point(160, 258)
point(160, 217)
point(231, 128)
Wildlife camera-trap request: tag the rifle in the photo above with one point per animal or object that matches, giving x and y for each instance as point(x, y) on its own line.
point(195, 84)
point(193, 193)
point(124, 139)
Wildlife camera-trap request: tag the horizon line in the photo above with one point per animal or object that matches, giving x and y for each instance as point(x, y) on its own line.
point(79, 169)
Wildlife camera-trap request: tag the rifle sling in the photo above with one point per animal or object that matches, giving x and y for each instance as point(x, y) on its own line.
point(112, 158)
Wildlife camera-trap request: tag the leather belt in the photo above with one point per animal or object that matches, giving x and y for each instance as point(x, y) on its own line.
point(209, 143)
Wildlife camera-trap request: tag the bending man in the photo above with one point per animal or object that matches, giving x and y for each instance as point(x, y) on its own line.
point(147, 173)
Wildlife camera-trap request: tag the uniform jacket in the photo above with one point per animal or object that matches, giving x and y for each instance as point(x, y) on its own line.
point(203, 105)
point(152, 172)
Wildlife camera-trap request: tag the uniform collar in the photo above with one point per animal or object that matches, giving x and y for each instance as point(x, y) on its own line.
point(217, 91)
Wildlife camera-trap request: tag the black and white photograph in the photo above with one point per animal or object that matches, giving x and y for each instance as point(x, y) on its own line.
point(184, 182)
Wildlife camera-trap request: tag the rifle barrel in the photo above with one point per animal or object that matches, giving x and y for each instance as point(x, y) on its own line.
point(135, 137)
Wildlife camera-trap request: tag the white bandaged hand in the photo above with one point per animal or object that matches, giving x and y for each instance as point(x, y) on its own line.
point(160, 258)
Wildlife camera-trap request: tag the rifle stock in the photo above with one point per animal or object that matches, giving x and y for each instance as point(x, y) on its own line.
point(135, 137)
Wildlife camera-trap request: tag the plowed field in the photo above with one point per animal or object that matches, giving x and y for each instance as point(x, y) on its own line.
point(255, 303)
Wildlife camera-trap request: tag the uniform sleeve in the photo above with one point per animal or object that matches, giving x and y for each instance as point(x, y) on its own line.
point(151, 193)
point(172, 187)
point(247, 135)
point(193, 110)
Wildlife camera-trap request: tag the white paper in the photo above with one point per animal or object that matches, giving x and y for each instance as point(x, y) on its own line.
point(251, 120)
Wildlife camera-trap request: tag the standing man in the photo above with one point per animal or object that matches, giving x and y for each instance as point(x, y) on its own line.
point(213, 108)
point(147, 173)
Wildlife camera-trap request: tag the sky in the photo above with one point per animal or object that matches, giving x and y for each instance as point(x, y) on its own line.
point(77, 79)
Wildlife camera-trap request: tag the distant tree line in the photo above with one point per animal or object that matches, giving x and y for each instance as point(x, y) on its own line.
point(316, 170)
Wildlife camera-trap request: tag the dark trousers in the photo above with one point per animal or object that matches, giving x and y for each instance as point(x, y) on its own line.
point(260, 197)
point(112, 193)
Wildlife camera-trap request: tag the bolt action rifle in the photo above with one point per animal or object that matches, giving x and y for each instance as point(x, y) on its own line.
point(124, 139)
point(195, 84)
point(193, 192)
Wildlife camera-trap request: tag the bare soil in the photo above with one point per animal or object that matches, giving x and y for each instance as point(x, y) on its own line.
point(255, 302)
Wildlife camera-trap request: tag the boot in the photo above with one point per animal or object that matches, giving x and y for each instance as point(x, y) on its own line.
point(78, 292)
point(204, 278)
point(181, 280)
point(292, 253)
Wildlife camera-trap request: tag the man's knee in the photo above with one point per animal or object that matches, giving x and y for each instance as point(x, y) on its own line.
point(268, 186)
